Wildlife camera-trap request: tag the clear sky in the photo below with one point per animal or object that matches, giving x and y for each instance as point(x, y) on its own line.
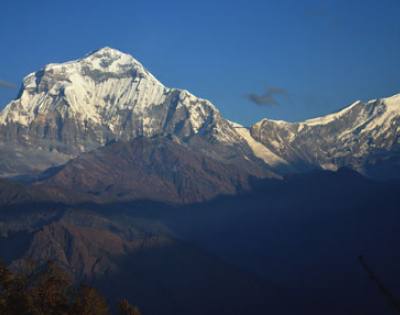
point(316, 56)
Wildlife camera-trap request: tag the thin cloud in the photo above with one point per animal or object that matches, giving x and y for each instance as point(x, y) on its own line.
point(7, 85)
point(271, 97)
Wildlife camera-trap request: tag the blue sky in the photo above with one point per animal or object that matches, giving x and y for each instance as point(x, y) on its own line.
point(323, 54)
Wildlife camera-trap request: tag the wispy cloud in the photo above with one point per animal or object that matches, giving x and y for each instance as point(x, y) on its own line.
point(7, 85)
point(271, 97)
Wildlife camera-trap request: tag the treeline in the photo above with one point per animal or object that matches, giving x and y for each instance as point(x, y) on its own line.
point(48, 290)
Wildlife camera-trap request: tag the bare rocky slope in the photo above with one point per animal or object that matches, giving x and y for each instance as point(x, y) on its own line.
point(158, 169)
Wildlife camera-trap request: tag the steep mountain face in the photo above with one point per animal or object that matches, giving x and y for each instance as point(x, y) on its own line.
point(158, 169)
point(363, 136)
point(74, 107)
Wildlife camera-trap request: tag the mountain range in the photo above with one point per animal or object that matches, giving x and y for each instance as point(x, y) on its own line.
point(147, 192)
point(71, 108)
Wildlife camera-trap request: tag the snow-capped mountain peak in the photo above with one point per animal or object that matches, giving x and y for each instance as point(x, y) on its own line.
point(358, 136)
point(107, 88)
point(91, 89)
point(108, 95)
point(110, 60)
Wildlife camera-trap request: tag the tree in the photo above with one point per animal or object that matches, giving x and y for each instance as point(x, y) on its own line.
point(90, 302)
point(48, 290)
point(126, 309)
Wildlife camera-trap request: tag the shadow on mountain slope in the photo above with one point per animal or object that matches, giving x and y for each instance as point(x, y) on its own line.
point(138, 258)
point(305, 233)
point(285, 244)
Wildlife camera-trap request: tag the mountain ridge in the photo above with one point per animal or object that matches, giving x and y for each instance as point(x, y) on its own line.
point(157, 169)
point(359, 136)
point(69, 108)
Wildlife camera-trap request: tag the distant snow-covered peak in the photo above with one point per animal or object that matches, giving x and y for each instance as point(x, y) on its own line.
point(357, 136)
point(111, 92)
point(94, 88)
point(106, 52)
point(98, 65)
point(112, 60)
